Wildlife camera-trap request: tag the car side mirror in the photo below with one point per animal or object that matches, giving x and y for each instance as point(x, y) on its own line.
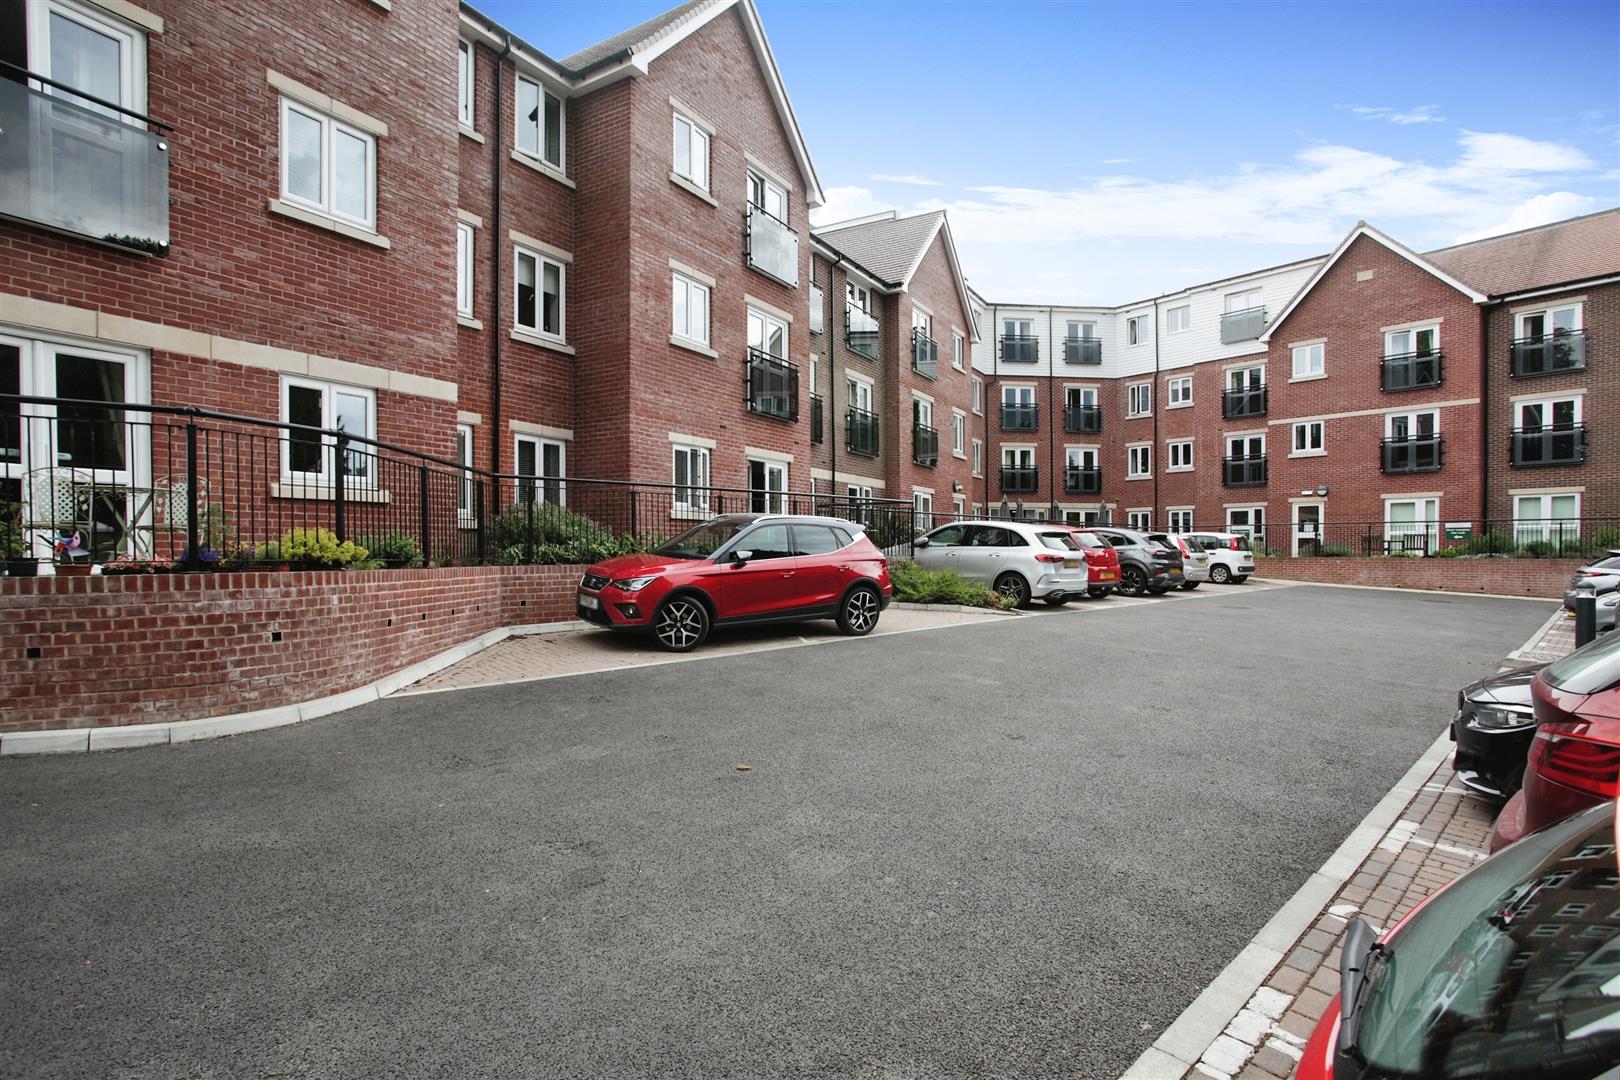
point(740, 558)
point(921, 541)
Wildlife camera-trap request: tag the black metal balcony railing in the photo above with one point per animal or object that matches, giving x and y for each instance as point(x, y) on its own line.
point(1244, 471)
point(772, 385)
point(1020, 417)
point(861, 432)
point(924, 445)
point(861, 332)
point(1078, 481)
point(1082, 419)
point(1020, 348)
point(1549, 446)
point(1082, 350)
point(1236, 404)
point(76, 164)
point(1549, 355)
point(1245, 325)
point(773, 247)
point(1411, 371)
point(1020, 478)
point(1423, 453)
point(924, 354)
point(817, 421)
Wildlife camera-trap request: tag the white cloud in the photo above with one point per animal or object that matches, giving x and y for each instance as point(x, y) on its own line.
point(1038, 244)
point(920, 181)
point(1538, 210)
point(1117, 161)
point(1418, 114)
point(843, 203)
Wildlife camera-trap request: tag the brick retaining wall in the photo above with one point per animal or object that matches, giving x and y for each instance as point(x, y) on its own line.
point(1507, 577)
point(148, 649)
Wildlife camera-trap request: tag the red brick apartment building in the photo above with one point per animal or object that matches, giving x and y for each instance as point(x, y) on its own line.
point(402, 221)
point(1374, 397)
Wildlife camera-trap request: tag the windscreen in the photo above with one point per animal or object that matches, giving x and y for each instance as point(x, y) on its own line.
point(1588, 669)
point(702, 541)
point(1059, 541)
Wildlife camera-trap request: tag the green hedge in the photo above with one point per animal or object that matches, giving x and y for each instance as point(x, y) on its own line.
point(557, 535)
point(914, 585)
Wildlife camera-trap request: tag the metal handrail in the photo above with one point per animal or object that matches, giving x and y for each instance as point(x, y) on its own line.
point(88, 97)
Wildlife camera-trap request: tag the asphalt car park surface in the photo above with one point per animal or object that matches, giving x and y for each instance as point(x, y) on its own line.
point(1016, 847)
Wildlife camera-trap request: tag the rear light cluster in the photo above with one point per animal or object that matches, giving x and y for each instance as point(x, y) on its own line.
point(1045, 557)
point(1563, 754)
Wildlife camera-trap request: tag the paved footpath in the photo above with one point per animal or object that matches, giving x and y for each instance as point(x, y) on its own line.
point(1440, 835)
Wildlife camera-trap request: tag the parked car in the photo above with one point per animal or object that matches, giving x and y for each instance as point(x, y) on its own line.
point(1230, 558)
point(1602, 576)
point(1145, 565)
point(1101, 559)
point(1194, 559)
point(1021, 560)
point(1608, 608)
point(1493, 728)
point(1574, 759)
point(741, 568)
point(1508, 972)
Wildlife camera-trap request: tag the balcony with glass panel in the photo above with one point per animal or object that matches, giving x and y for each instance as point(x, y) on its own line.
point(1237, 404)
point(1020, 417)
point(1423, 453)
point(1245, 325)
point(1020, 479)
point(1020, 348)
point(924, 354)
point(1411, 371)
point(860, 332)
point(1082, 481)
point(1082, 419)
point(1549, 354)
point(1244, 470)
point(1549, 446)
point(1080, 350)
point(773, 247)
point(817, 420)
point(861, 432)
point(772, 385)
point(924, 445)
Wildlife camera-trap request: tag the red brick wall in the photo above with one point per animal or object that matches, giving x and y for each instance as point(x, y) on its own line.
point(135, 650)
point(1546, 578)
point(934, 287)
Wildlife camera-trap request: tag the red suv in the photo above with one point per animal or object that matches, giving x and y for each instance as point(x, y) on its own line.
point(741, 568)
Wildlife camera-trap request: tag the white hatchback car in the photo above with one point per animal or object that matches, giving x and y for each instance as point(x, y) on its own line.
point(1229, 556)
point(1021, 560)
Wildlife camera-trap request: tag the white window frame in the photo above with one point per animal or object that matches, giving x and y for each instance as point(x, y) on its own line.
point(695, 455)
point(1138, 400)
point(922, 506)
point(1135, 326)
point(1179, 455)
point(1549, 402)
point(1315, 357)
point(978, 397)
point(1242, 300)
point(466, 83)
point(958, 433)
point(540, 262)
point(1180, 519)
point(1547, 313)
point(1138, 461)
point(464, 481)
point(922, 410)
point(1414, 331)
point(697, 148)
point(1254, 528)
point(1175, 400)
point(1021, 394)
point(465, 249)
point(1306, 427)
point(1140, 520)
point(539, 126)
point(330, 126)
point(691, 285)
point(978, 457)
point(329, 391)
point(1178, 320)
point(131, 51)
point(1412, 424)
point(958, 350)
point(775, 498)
point(1526, 529)
point(769, 187)
point(541, 478)
point(1429, 516)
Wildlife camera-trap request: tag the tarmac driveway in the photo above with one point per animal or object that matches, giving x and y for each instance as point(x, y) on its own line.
point(1017, 847)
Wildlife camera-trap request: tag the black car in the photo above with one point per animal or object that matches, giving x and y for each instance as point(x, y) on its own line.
point(1145, 565)
point(1493, 729)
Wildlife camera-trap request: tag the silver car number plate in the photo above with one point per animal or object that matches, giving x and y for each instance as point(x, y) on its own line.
point(589, 602)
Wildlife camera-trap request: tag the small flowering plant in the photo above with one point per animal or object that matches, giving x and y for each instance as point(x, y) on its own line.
point(134, 564)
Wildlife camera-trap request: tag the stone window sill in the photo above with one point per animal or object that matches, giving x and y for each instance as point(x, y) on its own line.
point(543, 342)
point(321, 221)
point(319, 492)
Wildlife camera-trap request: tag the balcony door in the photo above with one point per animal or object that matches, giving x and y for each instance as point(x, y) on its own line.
point(767, 485)
point(1246, 447)
point(1242, 379)
point(860, 395)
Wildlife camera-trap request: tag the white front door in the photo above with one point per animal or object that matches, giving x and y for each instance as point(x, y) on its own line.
point(1307, 528)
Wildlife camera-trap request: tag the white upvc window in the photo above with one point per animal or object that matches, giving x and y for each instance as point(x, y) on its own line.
point(1552, 516)
point(958, 432)
point(1246, 378)
point(540, 123)
point(1412, 524)
point(1243, 300)
point(1017, 394)
point(767, 485)
point(464, 458)
point(1181, 456)
point(85, 48)
point(1136, 330)
point(1080, 457)
point(768, 334)
point(1547, 413)
point(922, 412)
point(1246, 447)
point(958, 350)
point(1249, 521)
point(1139, 399)
point(978, 457)
point(1412, 425)
point(691, 151)
point(922, 505)
point(1139, 461)
point(691, 479)
point(542, 463)
point(1548, 322)
point(1413, 341)
point(1308, 361)
point(1178, 319)
point(1180, 390)
point(465, 71)
point(464, 269)
point(306, 455)
point(1308, 438)
point(328, 166)
point(1181, 521)
point(1141, 520)
point(541, 284)
point(1017, 457)
point(768, 195)
point(690, 308)
point(978, 396)
point(959, 506)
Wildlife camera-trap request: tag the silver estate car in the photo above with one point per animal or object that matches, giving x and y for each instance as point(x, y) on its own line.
point(1022, 560)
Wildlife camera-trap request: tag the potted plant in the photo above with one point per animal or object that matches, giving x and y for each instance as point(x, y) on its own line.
point(72, 556)
point(133, 564)
point(13, 543)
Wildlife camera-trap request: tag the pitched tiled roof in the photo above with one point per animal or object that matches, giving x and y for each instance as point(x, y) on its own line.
point(888, 247)
point(1583, 247)
point(634, 36)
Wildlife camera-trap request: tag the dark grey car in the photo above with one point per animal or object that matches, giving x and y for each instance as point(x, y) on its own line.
point(1146, 567)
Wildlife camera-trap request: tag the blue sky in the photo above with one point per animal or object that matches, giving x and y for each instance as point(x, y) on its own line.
point(1102, 152)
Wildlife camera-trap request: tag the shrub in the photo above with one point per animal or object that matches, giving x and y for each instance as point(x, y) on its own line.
point(1333, 551)
point(1603, 538)
point(393, 550)
point(914, 585)
point(1538, 549)
point(11, 533)
point(1490, 543)
point(1451, 553)
point(557, 535)
point(320, 547)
